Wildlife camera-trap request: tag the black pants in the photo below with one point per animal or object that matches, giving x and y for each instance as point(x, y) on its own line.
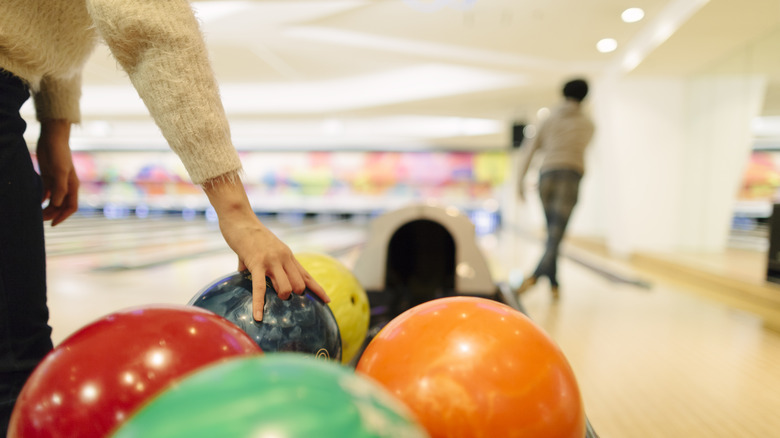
point(25, 335)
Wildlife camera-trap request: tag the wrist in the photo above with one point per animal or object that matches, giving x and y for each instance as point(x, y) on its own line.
point(54, 132)
point(228, 197)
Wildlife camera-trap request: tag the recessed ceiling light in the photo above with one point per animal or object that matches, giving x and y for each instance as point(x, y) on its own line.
point(632, 15)
point(606, 45)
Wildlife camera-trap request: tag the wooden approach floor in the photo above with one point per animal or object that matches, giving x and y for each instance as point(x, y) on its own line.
point(687, 354)
point(659, 351)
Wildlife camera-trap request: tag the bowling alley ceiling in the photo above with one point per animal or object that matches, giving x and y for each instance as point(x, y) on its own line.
point(418, 73)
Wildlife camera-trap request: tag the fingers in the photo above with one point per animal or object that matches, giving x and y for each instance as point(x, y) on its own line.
point(57, 214)
point(263, 254)
point(286, 280)
point(298, 280)
point(63, 196)
point(258, 296)
point(281, 283)
point(312, 284)
point(295, 274)
point(318, 290)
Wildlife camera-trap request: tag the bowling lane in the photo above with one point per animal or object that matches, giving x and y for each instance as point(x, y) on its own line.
point(161, 260)
point(88, 233)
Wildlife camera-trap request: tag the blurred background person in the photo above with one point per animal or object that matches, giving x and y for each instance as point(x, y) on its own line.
point(562, 138)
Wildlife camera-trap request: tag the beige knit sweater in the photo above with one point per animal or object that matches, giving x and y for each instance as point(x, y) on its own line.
point(157, 42)
point(563, 138)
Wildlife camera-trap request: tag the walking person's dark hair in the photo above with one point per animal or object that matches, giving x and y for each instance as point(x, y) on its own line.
point(576, 89)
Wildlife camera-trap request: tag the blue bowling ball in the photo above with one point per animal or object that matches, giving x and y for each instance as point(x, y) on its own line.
point(302, 323)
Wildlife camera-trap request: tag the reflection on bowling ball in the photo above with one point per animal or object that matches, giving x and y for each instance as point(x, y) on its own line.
point(96, 378)
point(302, 324)
point(277, 395)
point(348, 299)
point(473, 367)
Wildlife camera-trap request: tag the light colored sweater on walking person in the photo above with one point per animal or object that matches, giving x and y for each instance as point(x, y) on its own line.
point(562, 138)
point(157, 42)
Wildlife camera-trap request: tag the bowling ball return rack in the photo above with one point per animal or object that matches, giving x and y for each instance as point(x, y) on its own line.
point(388, 304)
point(419, 253)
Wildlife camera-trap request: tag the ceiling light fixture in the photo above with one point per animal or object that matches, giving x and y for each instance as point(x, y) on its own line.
point(606, 45)
point(632, 15)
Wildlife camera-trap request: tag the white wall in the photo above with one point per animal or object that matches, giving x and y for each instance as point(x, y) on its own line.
point(666, 161)
point(720, 110)
point(642, 142)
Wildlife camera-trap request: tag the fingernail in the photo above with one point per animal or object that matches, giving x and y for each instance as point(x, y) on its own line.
point(258, 315)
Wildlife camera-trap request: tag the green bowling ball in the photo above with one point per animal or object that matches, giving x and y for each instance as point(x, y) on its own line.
point(280, 395)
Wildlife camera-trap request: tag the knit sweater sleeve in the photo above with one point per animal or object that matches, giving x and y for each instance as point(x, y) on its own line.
point(160, 45)
point(58, 99)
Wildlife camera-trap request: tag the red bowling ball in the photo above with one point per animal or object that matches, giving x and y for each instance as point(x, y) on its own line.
point(95, 379)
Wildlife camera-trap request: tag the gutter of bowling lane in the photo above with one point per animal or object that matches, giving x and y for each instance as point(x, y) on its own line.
point(605, 272)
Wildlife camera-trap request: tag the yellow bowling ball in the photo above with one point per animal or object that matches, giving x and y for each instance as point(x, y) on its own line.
point(348, 299)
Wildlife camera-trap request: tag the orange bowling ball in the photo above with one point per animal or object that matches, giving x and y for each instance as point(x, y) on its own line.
point(472, 367)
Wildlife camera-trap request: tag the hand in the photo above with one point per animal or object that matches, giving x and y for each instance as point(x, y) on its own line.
point(258, 249)
point(60, 182)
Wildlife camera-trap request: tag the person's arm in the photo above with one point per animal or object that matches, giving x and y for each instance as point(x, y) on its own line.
point(57, 108)
point(159, 45)
point(60, 182)
point(528, 149)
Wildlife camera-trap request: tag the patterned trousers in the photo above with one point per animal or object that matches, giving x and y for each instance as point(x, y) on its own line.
point(558, 190)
